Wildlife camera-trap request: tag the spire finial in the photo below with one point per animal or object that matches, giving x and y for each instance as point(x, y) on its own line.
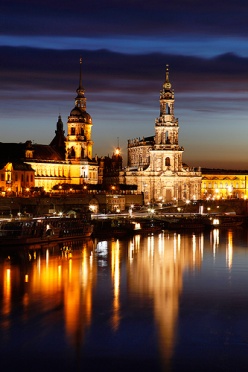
point(167, 74)
point(167, 83)
point(80, 73)
point(80, 90)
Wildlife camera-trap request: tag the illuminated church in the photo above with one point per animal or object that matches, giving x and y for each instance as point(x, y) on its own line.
point(67, 160)
point(155, 163)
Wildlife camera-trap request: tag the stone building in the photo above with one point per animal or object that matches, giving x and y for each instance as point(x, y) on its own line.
point(220, 184)
point(15, 178)
point(66, 160)
point(155, 163)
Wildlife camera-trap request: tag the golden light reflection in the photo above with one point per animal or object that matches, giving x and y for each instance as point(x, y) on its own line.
point(229, 249)
point(78, 287)
point(216, 241)
point(63, 282)
point(115, 274)
point(157, 271)
point(7, 292)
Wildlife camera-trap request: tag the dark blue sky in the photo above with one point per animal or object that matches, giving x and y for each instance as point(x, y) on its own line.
point(125, 46)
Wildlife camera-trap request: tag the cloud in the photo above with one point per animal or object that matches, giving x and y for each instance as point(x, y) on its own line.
point(122, 93)
point(105, 71)
point(132, 17)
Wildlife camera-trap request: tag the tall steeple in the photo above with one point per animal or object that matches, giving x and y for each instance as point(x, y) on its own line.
point(166, 125)
point(166, 96)
point(79, 125)
point(80, 100)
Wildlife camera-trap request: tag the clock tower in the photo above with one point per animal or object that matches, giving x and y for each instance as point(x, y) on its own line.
point(155, 163)
point(78, 144)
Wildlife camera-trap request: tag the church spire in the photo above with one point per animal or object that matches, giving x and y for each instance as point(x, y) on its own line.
point(80, 100)
point(80, 87)
point(58, 142)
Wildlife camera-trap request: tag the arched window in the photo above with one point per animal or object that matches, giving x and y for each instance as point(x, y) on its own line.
point(72, 152)
point(167, 139)
point(72, 131)
point(167, 162)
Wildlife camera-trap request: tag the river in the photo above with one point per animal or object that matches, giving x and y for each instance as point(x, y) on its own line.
point(165, 302)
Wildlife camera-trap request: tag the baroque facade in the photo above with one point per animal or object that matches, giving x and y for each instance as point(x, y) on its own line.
point(66, 160)
point(218, 184)
point(155, 163)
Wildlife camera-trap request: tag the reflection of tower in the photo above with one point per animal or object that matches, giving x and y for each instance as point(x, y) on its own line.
point(78, 285)
point(157, 271)
point(67, 283)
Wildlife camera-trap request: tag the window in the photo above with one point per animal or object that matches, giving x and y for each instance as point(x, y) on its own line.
point(72, 131)
point(167, 162)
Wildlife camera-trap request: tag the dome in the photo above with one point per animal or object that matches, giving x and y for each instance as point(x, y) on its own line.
point(79, 113)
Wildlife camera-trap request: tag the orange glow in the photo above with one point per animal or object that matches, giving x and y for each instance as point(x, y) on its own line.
point(229, 249)
point(7, 292)
point(115, 270)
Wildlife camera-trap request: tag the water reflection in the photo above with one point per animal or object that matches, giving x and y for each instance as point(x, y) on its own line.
point(64, 289)
point(156, 270)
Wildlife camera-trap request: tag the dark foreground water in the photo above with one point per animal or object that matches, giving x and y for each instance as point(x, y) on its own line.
point(169, 302)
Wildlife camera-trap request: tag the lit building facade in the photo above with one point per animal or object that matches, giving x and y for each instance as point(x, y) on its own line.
point(155, 163)
point(224, 184)
point(16, 178)
point(66, 160)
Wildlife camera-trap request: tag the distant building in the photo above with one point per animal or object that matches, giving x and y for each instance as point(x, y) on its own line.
point(109, 168)
point(16, 178)
point(224, 184)
point(155, 163)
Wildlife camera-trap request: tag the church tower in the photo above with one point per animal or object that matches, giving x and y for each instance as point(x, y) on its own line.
point(166, 154)
point(78, 144)
point(155, 163)
point(79, 124)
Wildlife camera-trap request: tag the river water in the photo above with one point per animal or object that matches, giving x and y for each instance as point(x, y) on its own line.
point(166, 302)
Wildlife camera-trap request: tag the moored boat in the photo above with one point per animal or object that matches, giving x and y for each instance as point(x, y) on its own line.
point(185, 223)
point(43, 230)
point(226, 221)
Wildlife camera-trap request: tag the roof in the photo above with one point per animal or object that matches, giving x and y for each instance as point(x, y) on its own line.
point(10, 152)
point(45, 153)
point(15, 152)
point(221, 171)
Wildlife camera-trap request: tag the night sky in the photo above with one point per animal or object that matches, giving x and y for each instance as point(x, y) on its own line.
point(125, 46)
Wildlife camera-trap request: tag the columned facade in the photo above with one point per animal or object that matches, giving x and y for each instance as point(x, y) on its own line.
point(155, 164)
